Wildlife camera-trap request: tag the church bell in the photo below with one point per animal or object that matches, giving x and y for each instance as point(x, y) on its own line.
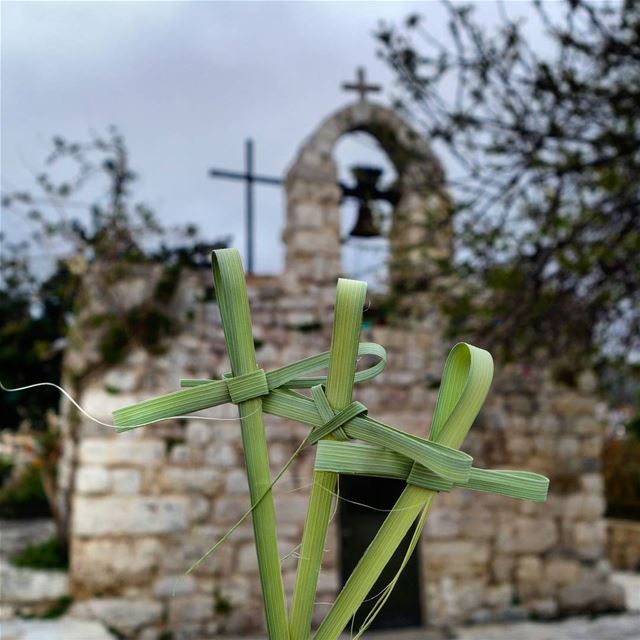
point(365, 191)
point(365, 226)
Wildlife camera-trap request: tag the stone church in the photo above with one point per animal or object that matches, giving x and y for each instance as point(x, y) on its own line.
point(149, 503)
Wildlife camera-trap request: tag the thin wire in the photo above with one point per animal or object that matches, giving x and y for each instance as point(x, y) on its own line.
point(113, 426)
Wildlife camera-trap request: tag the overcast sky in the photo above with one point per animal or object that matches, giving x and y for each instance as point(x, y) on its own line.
point(186, 83)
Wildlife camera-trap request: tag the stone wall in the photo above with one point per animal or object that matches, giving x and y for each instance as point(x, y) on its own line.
point(149, 503)
point(623, 544)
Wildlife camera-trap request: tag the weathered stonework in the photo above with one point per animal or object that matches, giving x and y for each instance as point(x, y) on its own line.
point(420, 231)
point(149, 503)
point(623, 544)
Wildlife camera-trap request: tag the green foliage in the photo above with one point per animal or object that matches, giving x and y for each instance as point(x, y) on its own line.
point(113, 343)
point(110, 238)
point(149, 326)
point(633, 427)
point(30, 347)
point(58, 609)
point(543, 146)
point(24, 497)
point(51, 554)
point(146, 325)
point(208, 295)
point(6, 468)
point(168, 283)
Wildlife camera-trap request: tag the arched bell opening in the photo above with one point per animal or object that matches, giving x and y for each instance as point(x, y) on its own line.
point(368, 194)
point(418, 230)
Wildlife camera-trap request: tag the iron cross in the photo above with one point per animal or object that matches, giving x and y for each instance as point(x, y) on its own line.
point(360, 86)
point(249, 178)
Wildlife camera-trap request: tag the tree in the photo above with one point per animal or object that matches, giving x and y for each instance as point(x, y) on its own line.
point(544, 143)
point(106, 239)
point(112, 232)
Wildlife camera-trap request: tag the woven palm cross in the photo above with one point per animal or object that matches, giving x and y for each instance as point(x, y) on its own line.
point(348, 441)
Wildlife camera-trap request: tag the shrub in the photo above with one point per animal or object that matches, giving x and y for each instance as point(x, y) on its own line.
point(51, 554)
point(25, 497)
point(6, 467)
point(58, 608)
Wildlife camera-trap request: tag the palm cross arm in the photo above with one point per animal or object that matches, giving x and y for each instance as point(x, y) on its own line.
point(276, 390)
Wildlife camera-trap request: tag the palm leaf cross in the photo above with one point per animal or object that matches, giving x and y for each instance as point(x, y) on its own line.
point(348, 441)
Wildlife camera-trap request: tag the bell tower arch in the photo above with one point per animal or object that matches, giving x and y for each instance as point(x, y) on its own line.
point(420, 231)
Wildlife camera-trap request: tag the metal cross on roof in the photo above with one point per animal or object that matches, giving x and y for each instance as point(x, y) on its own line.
point(249, 178)
point(361, 86)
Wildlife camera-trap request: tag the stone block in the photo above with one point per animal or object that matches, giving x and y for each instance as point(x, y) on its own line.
point(61, 629)
point(498, 596)
point(518, 446)
point(292, 510)
point(623, 544)
point(172, 586)
point(592, 483)
point(587, 425)
point(590, 539)
point(125, 615)
point(123, 378)
point(150, 633)
point(591, 448)
point(562, 571)
point(126, 481)
point(113, 515)
point(180, 454)
point(236, 482)
point(221, 455)
point(25, 586)
point(306, 215)
point(15, 535)
point(584, 506)
point(247, 560)
point(199, 432)
point(566, 447)
point(181, 480)
point(455, 557)
point(572, 405)
point(98, 402)
point(103, 564)
point(121, 450)
point(229, 510)
point(478, 524)
point(503, 568)
point(529, 569)
point(470, 595)
point(443, 524)
point(188, 609)
point(544, 608)
point(527, 535)
point(591, 596)
point(328, 582)
point(199, 508)
point(93, 480)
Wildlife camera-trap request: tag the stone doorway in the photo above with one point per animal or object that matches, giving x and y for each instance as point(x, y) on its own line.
point(358, 526)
